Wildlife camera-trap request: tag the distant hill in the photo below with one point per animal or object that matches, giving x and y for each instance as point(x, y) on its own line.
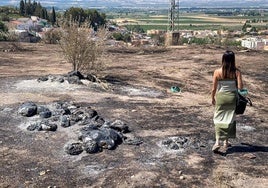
point(62, 4)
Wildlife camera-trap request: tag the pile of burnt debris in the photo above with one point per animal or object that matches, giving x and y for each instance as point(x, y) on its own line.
point(73, 77)
point(94, 133)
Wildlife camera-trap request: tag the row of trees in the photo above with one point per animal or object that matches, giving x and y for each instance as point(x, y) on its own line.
point(80, 15)
point(27, 8)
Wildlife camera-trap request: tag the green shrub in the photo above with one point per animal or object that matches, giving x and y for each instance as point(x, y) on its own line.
point(3, 36)
point(3, 27)
point(117, 36)
point(5, 18)
point(121, 37)
point(199, 41)
point(8, 36)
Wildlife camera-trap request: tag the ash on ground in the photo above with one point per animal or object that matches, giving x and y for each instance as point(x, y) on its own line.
point(181, 143)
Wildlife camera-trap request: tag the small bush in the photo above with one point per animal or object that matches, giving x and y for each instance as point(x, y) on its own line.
point(121, 37)
point(158, 39)
point(8, 36)
point(83, 47)
point(3, 36)
point(52, 36)
point(117, 36)
point(5, 18)
point(3, 27)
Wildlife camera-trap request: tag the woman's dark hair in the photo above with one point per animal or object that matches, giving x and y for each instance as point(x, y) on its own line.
point(228, 65)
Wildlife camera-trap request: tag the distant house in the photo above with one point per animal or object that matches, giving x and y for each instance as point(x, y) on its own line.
point(186, 33)
point(205, 33)
point(155, 32)
point(30, 29)
point(255, 43)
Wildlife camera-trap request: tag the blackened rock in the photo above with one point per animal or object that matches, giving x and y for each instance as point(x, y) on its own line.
point(107, 144)
point(96, 135)
point(77, 74)
point(105, 138)
point(114, 135)
point(76, 117)
point(44, 112)
point(91, 113)
point(53, 127)
point(91, 146)
point(133, 141)
point(167, 142)
point(60, 108)
point(35, 126)
point(72, 108)
point(180, 140)
point(60, 79)
point(86, 122)
point(120, 126)
point(58, 104)
point(91, 78)
point(78, 111)
point(28, 109)
point(42, 79)
point(41, 109)
point(45, 125)
point(90, 117)
point(74, 148)
point(61, 111)
point(65, 121)
point(49, 127)
point(74, 80)
point(66, 111)
point(174, 146)
point(97, 121)
point(85, 131)
point(79, 115)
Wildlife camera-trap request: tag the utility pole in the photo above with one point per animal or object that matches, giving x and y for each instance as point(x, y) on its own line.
point(172, 36)
point(172, 15)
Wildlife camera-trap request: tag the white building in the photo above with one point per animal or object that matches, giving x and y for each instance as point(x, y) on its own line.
point(255, 43)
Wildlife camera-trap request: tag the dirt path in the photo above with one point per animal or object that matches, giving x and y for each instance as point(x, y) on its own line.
point(139, 94)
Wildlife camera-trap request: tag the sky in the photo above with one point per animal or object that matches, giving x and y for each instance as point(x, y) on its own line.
point(87, 2)
point(133, 3)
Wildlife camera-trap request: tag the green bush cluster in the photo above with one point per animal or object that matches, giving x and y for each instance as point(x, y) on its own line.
point(3, 27)
point(121, 37)
point(80, 15)
point(3, 31)
point(210, 40)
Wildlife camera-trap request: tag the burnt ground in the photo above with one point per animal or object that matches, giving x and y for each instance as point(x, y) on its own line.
point(135, 89)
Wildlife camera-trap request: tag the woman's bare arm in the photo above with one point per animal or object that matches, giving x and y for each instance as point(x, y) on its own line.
point(214, 86)
point(239, 80)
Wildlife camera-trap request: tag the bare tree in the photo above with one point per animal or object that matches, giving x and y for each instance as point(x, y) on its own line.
point(83, 47)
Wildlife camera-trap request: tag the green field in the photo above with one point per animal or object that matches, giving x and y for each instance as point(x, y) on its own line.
point(189, 21)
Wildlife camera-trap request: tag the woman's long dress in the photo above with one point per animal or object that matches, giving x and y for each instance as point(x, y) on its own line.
point(224, 116)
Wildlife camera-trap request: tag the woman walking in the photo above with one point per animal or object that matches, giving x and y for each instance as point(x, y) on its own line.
point(226, 81)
